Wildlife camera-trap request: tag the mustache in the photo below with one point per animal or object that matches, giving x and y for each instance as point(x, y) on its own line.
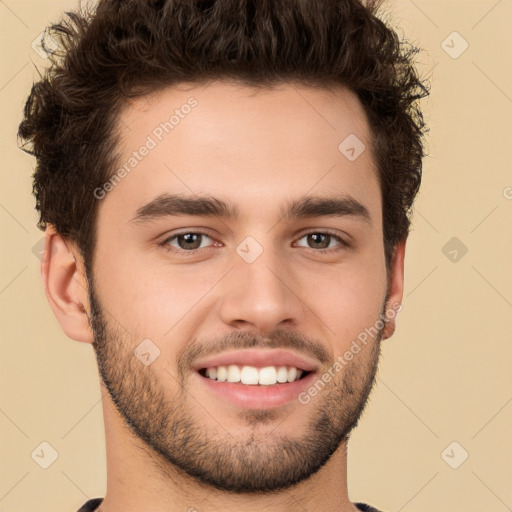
point(239, 340)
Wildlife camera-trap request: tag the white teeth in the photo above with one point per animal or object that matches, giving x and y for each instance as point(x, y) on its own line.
point(212, 373)
point(267, 376)
point(249, 375)
point(233, 373)
point(292, 374)
point(282, 374)
point(222, 374)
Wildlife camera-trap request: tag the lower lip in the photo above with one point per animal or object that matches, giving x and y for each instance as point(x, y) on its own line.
point(257, 396)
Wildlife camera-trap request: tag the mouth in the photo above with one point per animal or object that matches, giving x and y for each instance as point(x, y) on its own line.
point(255, 379)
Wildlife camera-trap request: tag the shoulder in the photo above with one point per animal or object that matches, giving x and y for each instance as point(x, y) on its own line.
point(90, 505)
point(366, 508)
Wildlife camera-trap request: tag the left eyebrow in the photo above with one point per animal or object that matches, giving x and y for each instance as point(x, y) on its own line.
point(312, 206)
point(168, 205)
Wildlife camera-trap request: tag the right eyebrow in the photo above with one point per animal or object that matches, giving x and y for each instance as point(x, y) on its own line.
point(167, 205)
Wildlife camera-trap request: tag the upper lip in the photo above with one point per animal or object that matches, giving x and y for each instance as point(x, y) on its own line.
point(258, 358)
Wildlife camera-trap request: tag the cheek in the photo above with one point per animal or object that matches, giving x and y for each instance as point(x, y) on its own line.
point(150, 298)
point(348, 299)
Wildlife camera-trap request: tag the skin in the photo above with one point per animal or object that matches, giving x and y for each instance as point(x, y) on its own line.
point(282, 147)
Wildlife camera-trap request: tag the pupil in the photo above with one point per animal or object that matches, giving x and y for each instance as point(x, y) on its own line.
point(324, 245)
point(189, 239)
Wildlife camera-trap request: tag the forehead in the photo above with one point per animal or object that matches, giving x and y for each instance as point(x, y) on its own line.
point(225, 110)
point(253, 146)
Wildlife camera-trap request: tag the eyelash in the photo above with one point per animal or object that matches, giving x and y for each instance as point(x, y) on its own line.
point(165, 244)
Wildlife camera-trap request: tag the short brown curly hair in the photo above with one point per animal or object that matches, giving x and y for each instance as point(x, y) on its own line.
point(127, 48)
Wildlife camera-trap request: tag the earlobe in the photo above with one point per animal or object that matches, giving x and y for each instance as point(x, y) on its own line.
point(65, 285)
point(396, 290)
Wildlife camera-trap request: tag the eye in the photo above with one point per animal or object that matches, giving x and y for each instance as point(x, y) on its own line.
point(321, 240)
point(192, 241)
point(189, 241)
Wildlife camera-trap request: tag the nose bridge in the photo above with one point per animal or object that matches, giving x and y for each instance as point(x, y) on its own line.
point(258, 290)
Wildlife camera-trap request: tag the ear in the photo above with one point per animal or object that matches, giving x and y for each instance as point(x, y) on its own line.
point(65, 285)
point(395, 290)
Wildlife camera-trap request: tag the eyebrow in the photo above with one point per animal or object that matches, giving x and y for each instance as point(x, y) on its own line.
point(168, 205)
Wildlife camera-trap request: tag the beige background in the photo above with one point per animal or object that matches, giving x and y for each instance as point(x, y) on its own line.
point(446, 374)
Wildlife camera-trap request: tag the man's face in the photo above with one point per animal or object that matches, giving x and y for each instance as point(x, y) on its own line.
point(165, 307)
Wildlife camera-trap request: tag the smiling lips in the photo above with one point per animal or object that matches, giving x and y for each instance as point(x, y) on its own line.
point(256, 366)
point(257, 378)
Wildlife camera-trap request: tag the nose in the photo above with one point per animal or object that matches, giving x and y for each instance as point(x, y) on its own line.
point(261, 295)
